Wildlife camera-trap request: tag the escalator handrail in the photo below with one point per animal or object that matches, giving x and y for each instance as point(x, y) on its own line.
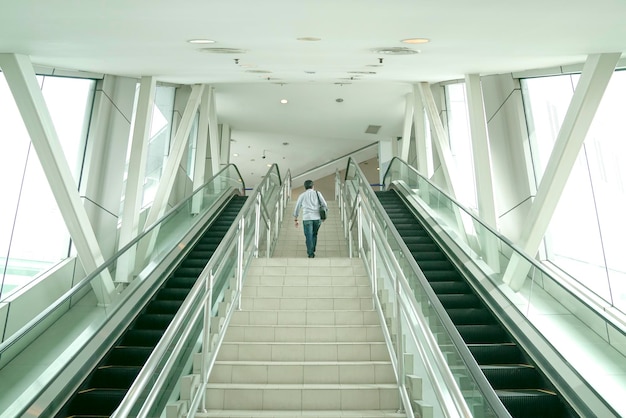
point(519, 252)
point(160, 351)
point(468, 359)
point(33, 323)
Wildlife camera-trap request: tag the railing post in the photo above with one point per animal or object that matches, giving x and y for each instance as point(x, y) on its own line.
point(360, 222)
point(373, 266)
point(239, 269)
point(257, 223)
point(399, 339)
point(206, 344)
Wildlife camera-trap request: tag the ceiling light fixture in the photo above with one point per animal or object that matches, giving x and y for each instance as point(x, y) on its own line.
point(396, 51)
point(284, 101)
point(415, 41)
point(201, 41)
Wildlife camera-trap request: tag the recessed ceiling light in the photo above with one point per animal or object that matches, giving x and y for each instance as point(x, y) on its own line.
point(201, 41)
point(284, 101)
point(309, 39)
point(269, 165)
point(235, 155)
point(415, 41)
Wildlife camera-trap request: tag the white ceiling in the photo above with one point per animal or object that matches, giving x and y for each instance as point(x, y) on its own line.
point(149, 37)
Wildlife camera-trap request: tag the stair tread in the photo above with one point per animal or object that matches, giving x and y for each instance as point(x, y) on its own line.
point(307, 363)
point(304, 386)
point(243, 413)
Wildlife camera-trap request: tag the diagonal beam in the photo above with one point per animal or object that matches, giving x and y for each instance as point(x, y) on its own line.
point(22, 80)
point(594, 79)
point(406, 131)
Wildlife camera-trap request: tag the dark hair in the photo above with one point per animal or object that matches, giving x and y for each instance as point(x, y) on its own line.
point(308, 184)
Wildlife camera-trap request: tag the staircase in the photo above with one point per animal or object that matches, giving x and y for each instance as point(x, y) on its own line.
point(520, 386)
point(307, 341)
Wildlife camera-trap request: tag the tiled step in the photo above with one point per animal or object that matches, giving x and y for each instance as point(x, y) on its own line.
point(307, 303)
point(325, 278)
point(297, 372)
point(300, 397)
point(319, 351)
point(304, 333)
point(308, 414)
point(317, 291)
point(311, 317)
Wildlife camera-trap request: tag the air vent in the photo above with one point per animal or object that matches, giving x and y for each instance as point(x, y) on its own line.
point(372, 129)
point(396, 51)
point(223, 50)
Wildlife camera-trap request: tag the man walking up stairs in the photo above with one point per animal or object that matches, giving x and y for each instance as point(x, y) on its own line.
point(307, 341)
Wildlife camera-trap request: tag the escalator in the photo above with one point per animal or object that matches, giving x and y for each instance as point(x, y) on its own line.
point(105, 387)
point(521, 387)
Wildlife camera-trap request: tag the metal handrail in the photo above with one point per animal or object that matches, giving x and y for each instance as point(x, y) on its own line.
point(32, 324)
point(450, 329)
point(202, 290)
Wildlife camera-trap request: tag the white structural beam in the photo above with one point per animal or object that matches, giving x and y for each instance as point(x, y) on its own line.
point(406, 131)
point(214, 137)
point(480, 149)
point(137, 161)
point(594, 79)
point(203, 137)
point(440, 137)
point(423, 148)
point(22, 80)
point(177, 151)
point(224, 145)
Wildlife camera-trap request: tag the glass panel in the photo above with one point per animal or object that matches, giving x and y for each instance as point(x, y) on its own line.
point(29, 207)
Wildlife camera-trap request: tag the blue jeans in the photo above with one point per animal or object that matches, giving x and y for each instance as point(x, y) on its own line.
point(310, 233)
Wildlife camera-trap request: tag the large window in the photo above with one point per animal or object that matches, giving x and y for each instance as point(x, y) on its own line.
point(33, 236)
point(587, 232)
point(461, 144)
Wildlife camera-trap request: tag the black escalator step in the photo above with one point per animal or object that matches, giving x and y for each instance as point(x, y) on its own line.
point(172, 293)
point(153, 321)
point(436, 265)
point(113, 377)
point(96, 402)
point(164, 306)
point(128, 356)
point(441, 275)
point(189, 271)
point(194, 262)
point(488, 333)
point(470, 316)
point(531, 403)
point(423, 255)
point(141, 338)
point(505, 353)
point(185, 282)
point(512, 376)
point(201, 254)
point(453, 287)
point(460, 301)
point(420, 244)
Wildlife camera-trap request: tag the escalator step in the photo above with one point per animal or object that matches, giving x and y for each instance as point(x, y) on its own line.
point(512, 376)
point(180, 281)
point(531, 403)
point(441, 275)
point(97, 402)
point(172, 293)
point(164, 306)
point(436, 265)
point(153, 321)
point(141, 338)
point(507, 353)
point(422, 255)
point(488, 333)
point(128, 356)
point(454, 287)
point(189, 271)
point(114, 377)
point(470, 316)
point(460, 301)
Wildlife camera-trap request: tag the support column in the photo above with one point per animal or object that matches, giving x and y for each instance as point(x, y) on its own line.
point(440, 137)
point(199, 177)
point(136, 172)
point(423, 148)
point(594, 79)
point(22, 81)
point(406, 132)
point(176, 154)
point(214, 138)
point(224, 146)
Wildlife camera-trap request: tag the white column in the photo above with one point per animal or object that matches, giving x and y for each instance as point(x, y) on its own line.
point(406, 131)
point(594, 79)
point(199, 177)
point(224, 146)
point(423, 149)
point(440, 137)
point(214, 138)
point(22, 81)
point(176, 154)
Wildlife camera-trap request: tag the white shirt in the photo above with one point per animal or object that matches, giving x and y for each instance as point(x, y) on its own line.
point(310, 205)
